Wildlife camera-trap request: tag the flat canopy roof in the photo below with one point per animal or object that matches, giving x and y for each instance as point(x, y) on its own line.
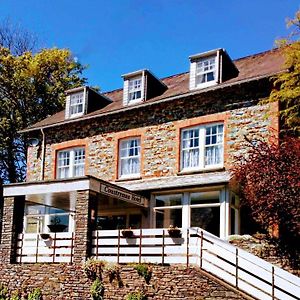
point(59, 187)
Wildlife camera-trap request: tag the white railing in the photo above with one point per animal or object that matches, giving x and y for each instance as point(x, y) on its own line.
point(49, 248)
point(237, 267)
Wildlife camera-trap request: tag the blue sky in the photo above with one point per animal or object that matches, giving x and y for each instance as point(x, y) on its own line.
point(115, 37)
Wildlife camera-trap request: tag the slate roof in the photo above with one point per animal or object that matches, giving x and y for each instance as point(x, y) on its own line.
point(252, 67)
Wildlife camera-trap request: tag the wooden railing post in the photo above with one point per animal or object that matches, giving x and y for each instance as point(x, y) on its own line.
point(72, 247)
point(163, 248)
point(37, 248)
point(140, 247)
point(201, 249)
point(22, 243)
point(273, 283)
point(236, 267)
point(118, 257)
point(54, 246)
point(187, 247)
point(97, 243)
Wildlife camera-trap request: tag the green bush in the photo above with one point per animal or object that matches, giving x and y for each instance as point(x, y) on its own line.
point(3, 292)
point(136, 296)
point(36, 294)
point(97, 290)
point(144, 270)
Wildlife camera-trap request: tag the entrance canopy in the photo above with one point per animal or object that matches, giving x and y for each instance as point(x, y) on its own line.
point(54, 193)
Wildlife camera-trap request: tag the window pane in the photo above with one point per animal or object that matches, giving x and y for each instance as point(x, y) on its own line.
point(207, 218)
point(130, 157)
point(205, 197)
point(168, 217)
point(168, 200)
point(135, 221)
point(76, 103)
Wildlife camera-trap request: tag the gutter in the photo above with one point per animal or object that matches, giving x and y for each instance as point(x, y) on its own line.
point(146, 104)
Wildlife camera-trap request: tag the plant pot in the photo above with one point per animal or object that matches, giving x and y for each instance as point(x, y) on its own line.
point(57, 227)
point(175, 233)
point(127, 233)
point(45, 236)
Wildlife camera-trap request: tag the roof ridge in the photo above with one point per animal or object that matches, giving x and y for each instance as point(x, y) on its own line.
point(256, 54)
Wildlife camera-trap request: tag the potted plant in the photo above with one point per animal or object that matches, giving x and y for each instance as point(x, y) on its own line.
point(174, 231)
point(45, 236)
point(55, 225)
point(127, 233)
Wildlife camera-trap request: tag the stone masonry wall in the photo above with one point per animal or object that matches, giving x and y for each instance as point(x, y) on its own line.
point(159, 128)
point(64, 281)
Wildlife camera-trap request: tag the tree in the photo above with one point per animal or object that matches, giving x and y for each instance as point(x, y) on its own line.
point(287, 84)
point(268, 182)
point(31, 88)
point(15, 38)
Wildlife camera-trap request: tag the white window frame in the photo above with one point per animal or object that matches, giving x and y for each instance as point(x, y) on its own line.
point(72, 162)
point(130, 175)
point(44, 219)
point(80, 113)
point(199, 73)
point(132, 89)
point(201, 149)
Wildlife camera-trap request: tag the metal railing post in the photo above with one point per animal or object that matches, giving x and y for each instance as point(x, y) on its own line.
point(273, 283)
point(54, 246)
point(236, 267)
point(37, 248)
point(97, 243)
point(118, 257)
point(140, 247)
point(201, 249)
point(187, 247)
point(163, 248)
point(72, 247)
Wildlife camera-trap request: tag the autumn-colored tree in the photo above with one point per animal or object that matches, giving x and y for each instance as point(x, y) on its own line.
point(31, 88)
point(287, 84)
point(268, 182)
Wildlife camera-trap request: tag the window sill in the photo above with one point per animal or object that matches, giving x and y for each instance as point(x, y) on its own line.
point(128, 178)
point(189, 172)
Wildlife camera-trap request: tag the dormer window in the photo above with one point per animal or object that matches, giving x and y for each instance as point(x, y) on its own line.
point(83, 100)
point(76, 104)
point(134, 89)
point(205, 70)
point(210, 68)
point(140, 86)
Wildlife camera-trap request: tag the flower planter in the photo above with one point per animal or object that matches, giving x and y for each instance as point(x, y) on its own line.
point(174, 232)
point(57, 227)
point(127, 233)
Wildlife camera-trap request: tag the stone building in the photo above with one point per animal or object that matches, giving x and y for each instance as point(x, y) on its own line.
point(154, 154)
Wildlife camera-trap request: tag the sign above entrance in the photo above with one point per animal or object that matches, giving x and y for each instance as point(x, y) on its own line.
point(121, 194)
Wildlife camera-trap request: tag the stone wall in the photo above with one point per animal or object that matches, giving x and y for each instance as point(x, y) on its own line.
point(159, 128)
point(261, 246)
point(64, 281)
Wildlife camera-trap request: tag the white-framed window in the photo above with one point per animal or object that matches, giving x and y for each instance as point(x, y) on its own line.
point(205, 70)
point(38, 218)
point(134, 89)
point(202, 147)
point(70, 163)
point(76, 104)
point(129, 157)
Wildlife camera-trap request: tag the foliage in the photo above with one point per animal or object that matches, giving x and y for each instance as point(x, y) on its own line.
point(15, 296)
point(269, 186)
point(36, 294)
point(113, 271)
point(144, 270)
point(31, 88)
point(93, 268)
point(287, 84)
point(3, 292)
point(97, 289)
point(136, 296)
